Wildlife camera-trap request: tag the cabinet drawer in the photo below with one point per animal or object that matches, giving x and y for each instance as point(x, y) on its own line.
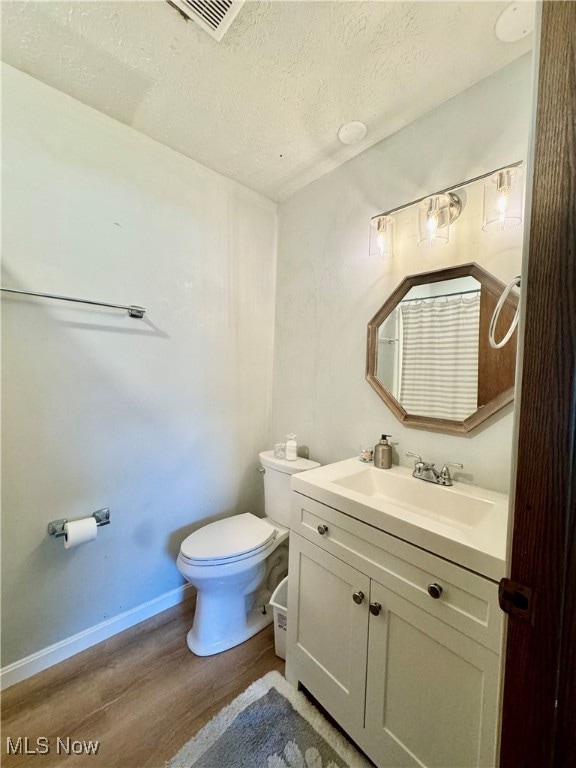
point(468, 602)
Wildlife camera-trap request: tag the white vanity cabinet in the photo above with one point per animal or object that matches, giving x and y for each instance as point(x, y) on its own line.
point(412, 678)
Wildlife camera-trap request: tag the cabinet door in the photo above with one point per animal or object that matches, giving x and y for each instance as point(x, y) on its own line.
point(432, 692)
point(328, 630)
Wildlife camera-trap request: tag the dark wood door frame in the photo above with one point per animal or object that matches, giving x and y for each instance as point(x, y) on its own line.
point(539, 705)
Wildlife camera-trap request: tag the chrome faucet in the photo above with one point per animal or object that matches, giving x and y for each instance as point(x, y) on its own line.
point(423, 470)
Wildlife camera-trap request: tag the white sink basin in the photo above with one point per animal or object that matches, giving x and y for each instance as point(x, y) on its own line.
point(437, 502)
point(463, 523)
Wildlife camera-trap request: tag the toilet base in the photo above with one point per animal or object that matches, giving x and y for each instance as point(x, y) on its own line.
point(255, 622)
point(231, 597)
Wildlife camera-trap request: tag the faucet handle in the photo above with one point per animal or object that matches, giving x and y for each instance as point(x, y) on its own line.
point(415, 456)
point(445, 472)
point(418, 464)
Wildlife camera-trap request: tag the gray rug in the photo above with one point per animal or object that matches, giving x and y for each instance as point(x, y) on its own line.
point(270, 725)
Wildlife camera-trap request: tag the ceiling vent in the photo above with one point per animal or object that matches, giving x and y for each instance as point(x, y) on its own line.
point(214, 16)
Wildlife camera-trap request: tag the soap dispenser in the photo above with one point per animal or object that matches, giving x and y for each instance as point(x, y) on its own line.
point(383, 453)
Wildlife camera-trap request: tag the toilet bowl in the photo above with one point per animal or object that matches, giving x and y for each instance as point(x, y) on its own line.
point(236, 563)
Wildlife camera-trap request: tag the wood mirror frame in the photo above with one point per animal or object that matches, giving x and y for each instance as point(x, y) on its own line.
point(496, 367)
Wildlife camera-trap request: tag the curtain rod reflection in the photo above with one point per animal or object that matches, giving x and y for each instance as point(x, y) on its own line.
point(441, 296)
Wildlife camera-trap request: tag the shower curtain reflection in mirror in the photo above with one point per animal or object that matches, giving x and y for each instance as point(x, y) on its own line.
point(439, 356)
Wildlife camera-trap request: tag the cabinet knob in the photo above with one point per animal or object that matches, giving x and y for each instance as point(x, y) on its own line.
point(322, 529)
point(358, 597)
point(375, 609)
point(435, 590)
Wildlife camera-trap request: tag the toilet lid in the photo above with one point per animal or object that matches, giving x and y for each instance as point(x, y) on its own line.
point(228, 538)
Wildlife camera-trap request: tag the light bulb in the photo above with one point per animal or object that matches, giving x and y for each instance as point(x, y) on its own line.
point(432, 226)
point(434, 220)
point(502, 201)
point(502, 204)
point(503, 184)
point(382, 236)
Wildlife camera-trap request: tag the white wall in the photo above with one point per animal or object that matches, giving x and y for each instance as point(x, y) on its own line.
point(329, 288)
point(160, 419)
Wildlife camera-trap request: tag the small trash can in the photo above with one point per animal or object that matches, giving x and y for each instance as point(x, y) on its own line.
point(279, 602)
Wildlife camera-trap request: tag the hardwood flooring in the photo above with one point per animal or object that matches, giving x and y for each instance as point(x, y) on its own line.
point(142, 694)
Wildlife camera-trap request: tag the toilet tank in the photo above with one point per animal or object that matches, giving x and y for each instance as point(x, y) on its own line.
point(277, 474)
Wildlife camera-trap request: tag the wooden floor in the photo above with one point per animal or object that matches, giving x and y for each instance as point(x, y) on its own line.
point(142, 694)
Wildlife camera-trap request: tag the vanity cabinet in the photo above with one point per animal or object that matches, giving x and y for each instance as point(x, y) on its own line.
point(401, 647)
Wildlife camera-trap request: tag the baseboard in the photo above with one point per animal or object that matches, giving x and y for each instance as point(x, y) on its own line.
point(47, 657)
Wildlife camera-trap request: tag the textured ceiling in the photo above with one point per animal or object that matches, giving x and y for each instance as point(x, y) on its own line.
point(262, 106)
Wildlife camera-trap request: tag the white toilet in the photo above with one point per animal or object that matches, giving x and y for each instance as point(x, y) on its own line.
point(236, 563)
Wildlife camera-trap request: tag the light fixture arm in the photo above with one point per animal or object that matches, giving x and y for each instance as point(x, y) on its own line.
point(455, 207)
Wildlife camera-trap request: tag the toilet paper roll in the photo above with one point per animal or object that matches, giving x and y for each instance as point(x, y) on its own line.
point(79, 532)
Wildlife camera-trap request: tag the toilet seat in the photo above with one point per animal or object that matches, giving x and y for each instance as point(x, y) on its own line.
point(226, 541)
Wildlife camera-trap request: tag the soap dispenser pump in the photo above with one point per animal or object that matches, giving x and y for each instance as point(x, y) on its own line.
point(383, 453)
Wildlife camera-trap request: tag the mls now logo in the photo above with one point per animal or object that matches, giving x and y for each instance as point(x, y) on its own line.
point(25, 746)
point(43, 746)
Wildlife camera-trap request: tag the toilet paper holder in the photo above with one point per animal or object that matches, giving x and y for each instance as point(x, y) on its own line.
point(56, 527)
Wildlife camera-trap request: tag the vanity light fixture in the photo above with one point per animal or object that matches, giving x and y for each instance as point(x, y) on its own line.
point(435, 214)
point(503, 206)
point(382, 229)
point(502, 201)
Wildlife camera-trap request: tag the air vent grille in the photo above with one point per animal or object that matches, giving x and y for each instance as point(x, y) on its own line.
point(213, 13)
point(214, 16)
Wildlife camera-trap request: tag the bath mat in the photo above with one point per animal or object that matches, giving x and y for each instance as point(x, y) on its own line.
point(270, 725)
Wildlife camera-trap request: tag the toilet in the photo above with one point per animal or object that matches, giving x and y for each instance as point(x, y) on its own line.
point(236, 563)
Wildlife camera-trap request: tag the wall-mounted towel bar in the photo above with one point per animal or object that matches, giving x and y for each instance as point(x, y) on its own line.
point(132, 309)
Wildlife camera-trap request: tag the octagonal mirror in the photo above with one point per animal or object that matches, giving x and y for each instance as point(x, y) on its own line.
point(428, 355)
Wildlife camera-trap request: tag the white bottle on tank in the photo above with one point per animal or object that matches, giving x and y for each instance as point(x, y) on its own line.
point(291, 447)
